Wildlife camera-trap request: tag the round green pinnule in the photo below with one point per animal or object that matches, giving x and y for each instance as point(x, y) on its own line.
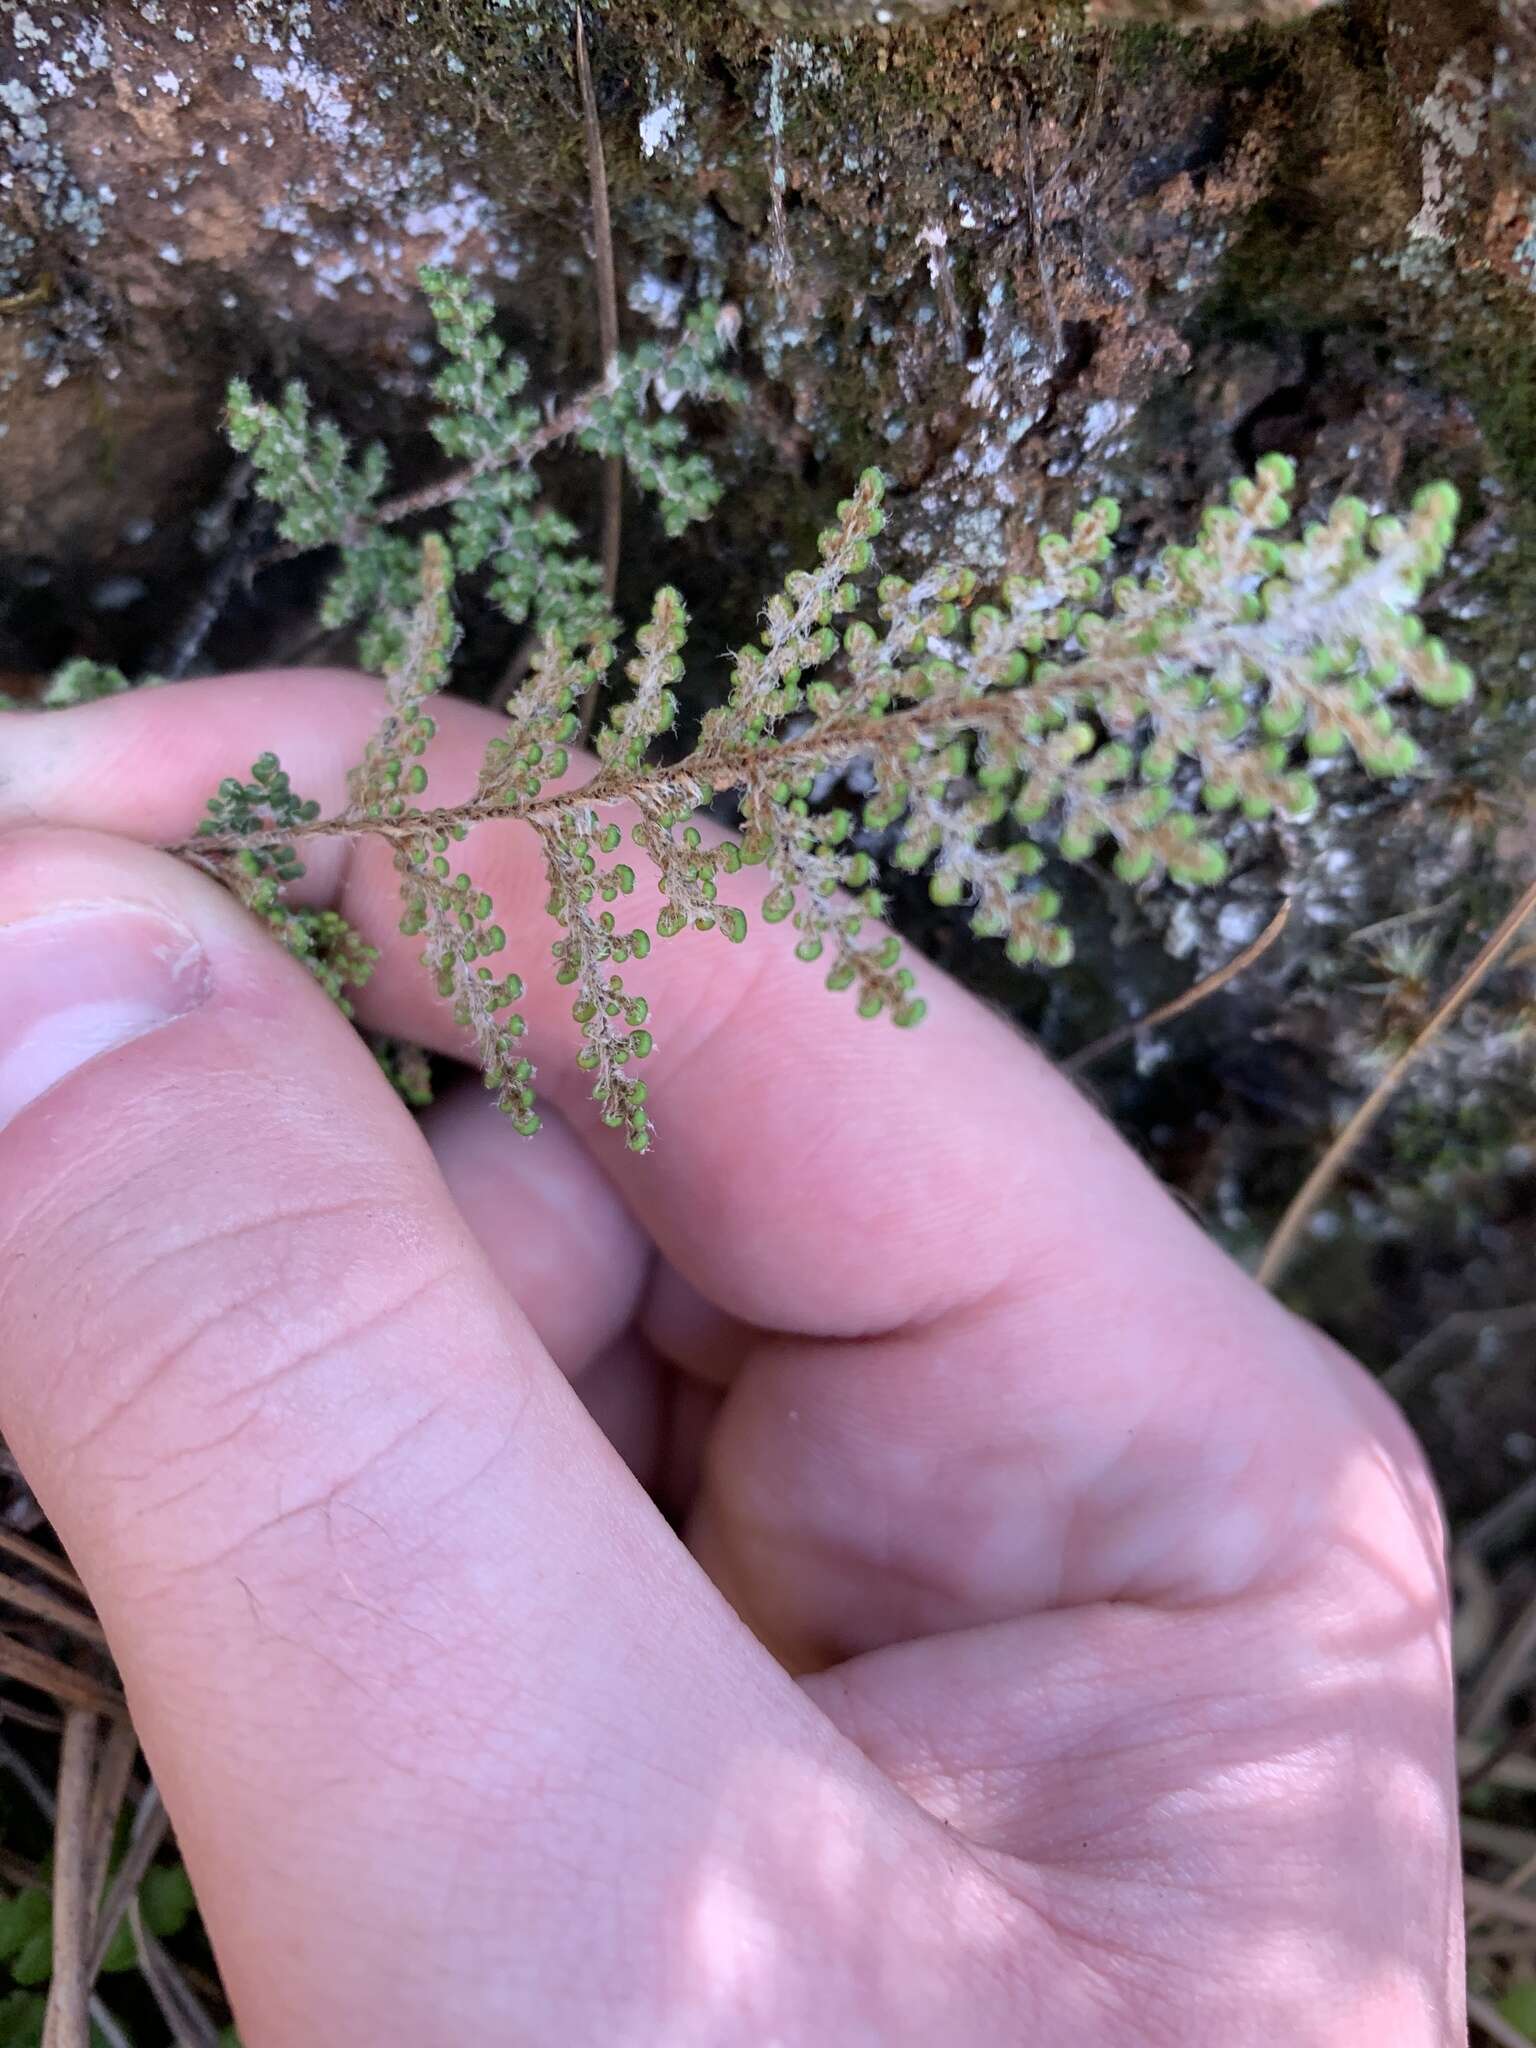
point(1448, 686)
point(1277, 471)
point(1199, 865)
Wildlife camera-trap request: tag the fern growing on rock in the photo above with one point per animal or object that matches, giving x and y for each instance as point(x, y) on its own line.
point(986, 732)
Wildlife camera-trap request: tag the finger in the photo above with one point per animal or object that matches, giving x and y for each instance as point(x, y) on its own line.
point(1059, 1391)
point(1168, 1779)
point(946, 1136)
point(548, 1220)
point(565, 1248)
point(416, 1665)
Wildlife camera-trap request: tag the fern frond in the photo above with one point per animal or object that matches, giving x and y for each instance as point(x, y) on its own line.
point(962, 735)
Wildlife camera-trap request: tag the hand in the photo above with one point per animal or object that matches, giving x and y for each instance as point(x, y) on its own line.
point(1055, 1651)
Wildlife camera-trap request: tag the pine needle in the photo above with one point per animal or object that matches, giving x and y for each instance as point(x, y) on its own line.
point(114, 1770)
point(48, 1674)
point(47, 1606)
point(41, 1560)
point(1320, 1180)
point(68, 2021)
point(1123, 1034)
point(151, 1825)
point(180, 2007)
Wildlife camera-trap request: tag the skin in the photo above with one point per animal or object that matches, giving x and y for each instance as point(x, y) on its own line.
point(1055, 1647)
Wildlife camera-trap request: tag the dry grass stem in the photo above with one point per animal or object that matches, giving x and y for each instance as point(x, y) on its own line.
point(1320, 1180)
point(1124, 1034)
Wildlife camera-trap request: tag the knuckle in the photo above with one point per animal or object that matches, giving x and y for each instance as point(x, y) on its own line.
point(163, 1330)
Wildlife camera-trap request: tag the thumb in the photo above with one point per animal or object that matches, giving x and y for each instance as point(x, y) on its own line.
point(414, 1662)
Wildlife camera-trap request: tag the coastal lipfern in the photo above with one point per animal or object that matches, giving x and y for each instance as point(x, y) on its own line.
point(968, 735)
point(498, 521)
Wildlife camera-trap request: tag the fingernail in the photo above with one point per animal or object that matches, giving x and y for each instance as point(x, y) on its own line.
point(82, 981)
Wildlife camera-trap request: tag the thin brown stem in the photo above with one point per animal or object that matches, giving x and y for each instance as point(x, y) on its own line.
point(1166, 1012)
point(1320, 1181)
point(607, 327)
point(432, 497)
point(68, 2020)
point(710, 771)
point(602, 218)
